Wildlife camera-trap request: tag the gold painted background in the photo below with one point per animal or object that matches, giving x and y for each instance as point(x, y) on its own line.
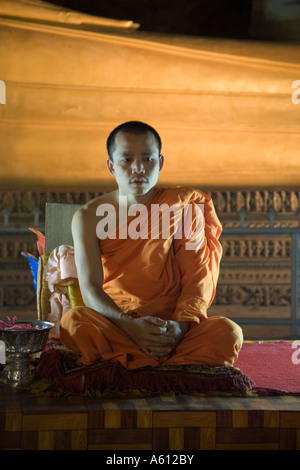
point(223, 108)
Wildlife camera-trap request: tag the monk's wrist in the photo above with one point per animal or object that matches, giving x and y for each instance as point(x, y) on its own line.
point(184, 326)
point(121, 320)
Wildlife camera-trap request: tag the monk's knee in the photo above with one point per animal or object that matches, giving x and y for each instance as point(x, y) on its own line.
point(73, 319)
point(69, 317)
point(232, 329)
point(227, 328)
point(78, 315)
point(226, 335)
point(234, 339)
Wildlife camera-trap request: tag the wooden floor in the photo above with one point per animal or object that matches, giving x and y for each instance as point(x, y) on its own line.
point(155, 423)
point(161, 423)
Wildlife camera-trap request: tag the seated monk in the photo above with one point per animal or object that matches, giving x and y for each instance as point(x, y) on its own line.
point(146, 281)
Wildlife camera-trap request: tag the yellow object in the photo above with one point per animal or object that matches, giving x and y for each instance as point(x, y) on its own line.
point(43, 292)
point(74, 295)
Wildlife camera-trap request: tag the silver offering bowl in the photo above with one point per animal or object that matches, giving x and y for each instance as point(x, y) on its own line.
point(20, 346)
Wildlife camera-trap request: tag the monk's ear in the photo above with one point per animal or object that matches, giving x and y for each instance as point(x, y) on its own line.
point(110, 166)
point(161, 161)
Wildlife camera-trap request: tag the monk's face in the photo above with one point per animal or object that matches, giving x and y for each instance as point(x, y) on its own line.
point(136, 163)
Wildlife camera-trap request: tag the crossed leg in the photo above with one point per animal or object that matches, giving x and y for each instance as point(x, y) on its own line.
point(214, 341)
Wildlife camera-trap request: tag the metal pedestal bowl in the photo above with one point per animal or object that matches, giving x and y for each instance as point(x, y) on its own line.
point(19, 346)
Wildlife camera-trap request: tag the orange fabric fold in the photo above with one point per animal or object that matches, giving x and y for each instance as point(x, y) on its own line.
point(165, 276)
point(214, 341)
point(170, 275)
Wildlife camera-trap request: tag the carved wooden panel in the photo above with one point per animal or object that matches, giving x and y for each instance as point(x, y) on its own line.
point(255, 277)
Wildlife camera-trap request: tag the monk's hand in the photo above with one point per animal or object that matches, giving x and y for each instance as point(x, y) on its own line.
point(151, 335)
point(177, 330)
point(171, 330)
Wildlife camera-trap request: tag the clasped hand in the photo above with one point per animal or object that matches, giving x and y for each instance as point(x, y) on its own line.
point(156, 337)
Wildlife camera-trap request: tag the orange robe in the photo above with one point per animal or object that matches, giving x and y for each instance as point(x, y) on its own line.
point(162, 275)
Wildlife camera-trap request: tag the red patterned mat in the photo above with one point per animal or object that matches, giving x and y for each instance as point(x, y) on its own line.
point(274, 367)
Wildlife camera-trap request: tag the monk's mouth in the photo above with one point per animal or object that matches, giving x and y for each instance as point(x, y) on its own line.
point(138, 182)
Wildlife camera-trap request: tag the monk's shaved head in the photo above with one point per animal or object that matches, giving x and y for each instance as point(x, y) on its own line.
point(131, 127)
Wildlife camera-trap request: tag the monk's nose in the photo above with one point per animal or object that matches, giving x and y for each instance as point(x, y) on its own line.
point(138, 167)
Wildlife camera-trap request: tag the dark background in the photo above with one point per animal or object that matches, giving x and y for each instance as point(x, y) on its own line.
point(213, 18)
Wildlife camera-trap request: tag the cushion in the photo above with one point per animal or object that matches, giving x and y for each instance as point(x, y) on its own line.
point(57, 286)
point(61, 370)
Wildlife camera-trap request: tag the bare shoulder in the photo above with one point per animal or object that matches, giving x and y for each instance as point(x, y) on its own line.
point(86, 216)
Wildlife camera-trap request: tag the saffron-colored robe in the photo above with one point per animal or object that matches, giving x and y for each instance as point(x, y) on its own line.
point(164, 276)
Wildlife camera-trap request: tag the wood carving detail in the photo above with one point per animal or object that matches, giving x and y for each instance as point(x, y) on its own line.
point(255, 270)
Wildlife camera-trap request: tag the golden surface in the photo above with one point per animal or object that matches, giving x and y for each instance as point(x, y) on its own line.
point(224, 108)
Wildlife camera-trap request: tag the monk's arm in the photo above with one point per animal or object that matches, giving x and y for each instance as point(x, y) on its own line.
point(198, 257)
point(146, 332)
point(89, 266)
